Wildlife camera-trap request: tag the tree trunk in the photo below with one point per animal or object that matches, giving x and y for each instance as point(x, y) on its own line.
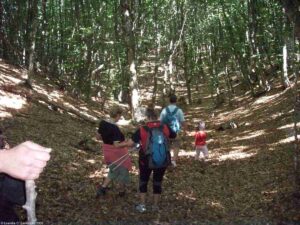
point(291, 8)
point(297, 143)
point(168, 67)
point(129, 41)
point(32, 37)
point(1, 30)
point(187, 75)
point(284, 75)
point(157, 52)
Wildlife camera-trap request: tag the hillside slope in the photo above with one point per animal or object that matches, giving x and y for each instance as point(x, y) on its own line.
point(248, 178)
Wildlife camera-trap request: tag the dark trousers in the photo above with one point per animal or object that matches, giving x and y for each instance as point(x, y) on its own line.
point(145, 173)
point(7, 212)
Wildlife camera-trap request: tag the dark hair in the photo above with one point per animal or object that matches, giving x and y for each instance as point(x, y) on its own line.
point(151, 114)
point(115, 111)
point(173, 98)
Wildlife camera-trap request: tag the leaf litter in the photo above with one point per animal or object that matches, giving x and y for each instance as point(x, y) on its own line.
point(256, 188)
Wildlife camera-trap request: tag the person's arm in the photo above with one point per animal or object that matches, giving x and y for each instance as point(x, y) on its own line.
point(182, 121)
point(122, 144)
point(25, 161)
point(162, 115)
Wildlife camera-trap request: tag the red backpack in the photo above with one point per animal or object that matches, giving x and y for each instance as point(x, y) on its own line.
point(155, 144)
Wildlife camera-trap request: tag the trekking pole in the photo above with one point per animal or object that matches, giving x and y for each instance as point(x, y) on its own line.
point(137, 148)
point(120, 163)
point(117, 161)
point(124, 157)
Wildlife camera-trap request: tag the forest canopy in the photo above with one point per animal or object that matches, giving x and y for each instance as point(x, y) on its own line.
point(97, 48)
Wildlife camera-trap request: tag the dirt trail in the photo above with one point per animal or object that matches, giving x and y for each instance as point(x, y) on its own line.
point(247, 179)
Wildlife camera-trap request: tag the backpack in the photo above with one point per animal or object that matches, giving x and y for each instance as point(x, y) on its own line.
point(157, 148)
point(171, 120)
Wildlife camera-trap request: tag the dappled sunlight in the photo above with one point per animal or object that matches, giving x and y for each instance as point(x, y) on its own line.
point(82, 112)
point(123, 122)
point(99, 173)
point(91, 161)
point(253, 134)
point(10, 102)
point(134, 171)
point(269, 195)
point(81, 152)
point(215, 204)
point(9, 79)
point(84, 108)
point(4, 114)
point(235, 155)
point(275, 116)
point(52, 95)
point(286, 126)
point(185, 153)
point(240, 111)
point(190, 196)
point(288, 139)
point(268, 99)
point(58, 97)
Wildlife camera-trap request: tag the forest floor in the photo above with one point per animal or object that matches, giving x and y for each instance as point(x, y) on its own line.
point(248, 178)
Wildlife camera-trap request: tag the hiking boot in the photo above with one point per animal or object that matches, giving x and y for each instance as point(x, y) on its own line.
point(101, 191)
point(140, 208)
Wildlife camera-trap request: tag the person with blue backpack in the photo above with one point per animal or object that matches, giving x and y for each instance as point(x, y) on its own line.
point(154, 156)
point(173, 117)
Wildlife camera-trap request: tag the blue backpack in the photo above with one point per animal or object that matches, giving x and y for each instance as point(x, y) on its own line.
point(157, 148)
point(171, 120)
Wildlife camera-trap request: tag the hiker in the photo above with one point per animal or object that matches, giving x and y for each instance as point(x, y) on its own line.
point(173, 117)
point(154, 156)
point(200, 141)
point(115, 152)
point(23, 162)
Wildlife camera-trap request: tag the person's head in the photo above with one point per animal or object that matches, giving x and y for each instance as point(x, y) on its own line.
point(201, 125)
point(173, 99)
point(151, 114)
point(115, 112)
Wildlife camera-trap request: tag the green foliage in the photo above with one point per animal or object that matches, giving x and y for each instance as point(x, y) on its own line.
point(75, 37)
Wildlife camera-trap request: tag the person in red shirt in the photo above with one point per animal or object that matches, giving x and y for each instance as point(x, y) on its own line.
point(200, 141)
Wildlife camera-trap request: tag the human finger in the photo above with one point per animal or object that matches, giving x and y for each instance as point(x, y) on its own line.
point(39, 164)
point(33, 146)
point(40, 155)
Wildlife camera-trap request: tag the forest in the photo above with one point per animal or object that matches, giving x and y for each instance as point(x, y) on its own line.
point(233, 64)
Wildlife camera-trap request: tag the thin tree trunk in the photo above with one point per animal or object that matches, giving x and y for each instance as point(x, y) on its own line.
point(284, 75)
point(32, 37)
point(187, 76)
point(291, 8)
point(157, 53)
point(129, 40)
point(242, 62)
point(1, 30)
point(168, 67)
